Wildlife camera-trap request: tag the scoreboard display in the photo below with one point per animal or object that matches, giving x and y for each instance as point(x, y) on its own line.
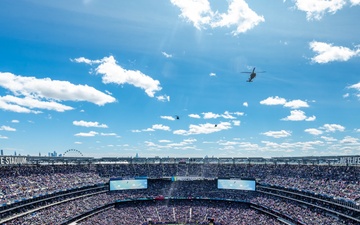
point(127, 184)
point(236, 184)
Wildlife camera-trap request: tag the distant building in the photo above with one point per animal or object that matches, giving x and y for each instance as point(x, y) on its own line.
point(2, 152)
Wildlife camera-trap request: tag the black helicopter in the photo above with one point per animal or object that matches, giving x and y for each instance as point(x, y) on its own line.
point(252, 75)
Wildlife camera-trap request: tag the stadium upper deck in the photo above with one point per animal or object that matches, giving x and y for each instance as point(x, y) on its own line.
point(352, 160)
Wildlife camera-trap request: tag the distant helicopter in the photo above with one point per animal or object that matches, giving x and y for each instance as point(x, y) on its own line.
point(252, 75)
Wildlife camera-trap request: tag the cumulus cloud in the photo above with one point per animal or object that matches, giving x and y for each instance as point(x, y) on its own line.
point(315, 9)
point(160, 127)
point(355, 2)
point(329, 139)
point(332, 127)
point(113, 73)
point(245, 104)
point(328, 53)
point(155, 127)
point(273, 101)
point(298, 115)
point(200, 14)
point(163, 98)
point(225, 115)
point(32, 93)
point(7, 128)
point(166, 55)
point(212, 74)
point(108, 134)
point(210, 115)
point(196, 116)
point(89, 134)
point(83, 123)
point(277, 134)
point(356, 87)
point(295, 104)
point(3, 137)
point(239, 15)
point(349, 140)
point(206, 128)
point(313, 131)
point(167, 117)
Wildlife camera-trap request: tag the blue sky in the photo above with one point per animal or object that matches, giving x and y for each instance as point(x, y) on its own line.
point(108, 78)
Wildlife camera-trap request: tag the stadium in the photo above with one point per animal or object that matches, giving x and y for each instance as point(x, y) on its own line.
point(142, 191)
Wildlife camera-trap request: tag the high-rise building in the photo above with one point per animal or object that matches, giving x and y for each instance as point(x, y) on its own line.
point(2, 152)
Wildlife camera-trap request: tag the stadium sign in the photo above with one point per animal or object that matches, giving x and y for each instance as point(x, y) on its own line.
point(8, 160)
point(350, 160)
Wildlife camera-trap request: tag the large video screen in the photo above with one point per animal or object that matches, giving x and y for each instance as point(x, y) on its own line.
point(128, 184)
point(236, 184)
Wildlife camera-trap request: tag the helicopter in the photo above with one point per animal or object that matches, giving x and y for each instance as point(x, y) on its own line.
point(252, 75)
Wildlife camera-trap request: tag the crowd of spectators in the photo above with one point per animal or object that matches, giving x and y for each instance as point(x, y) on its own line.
point(23, 182)
point(27, 181)
point(184, 212)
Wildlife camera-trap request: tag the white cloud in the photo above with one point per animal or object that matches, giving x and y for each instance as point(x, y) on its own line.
point(328, 53)
point(329, 139)
point(295, 104)
point(78, 142)
point(166, 55)
point(83, 123)
point(204, 128)
point(210, 115)
point(315, 9)
point(238, 113)
point(355, 2)
point(7, 128)
point(108, 134)
point(15, 121)
point(34, 89)
point(164, 141)
point(332, 127)
point(196, 116)
point(3, 137)
point(349, 140)
point(314, 131)
point(201, 15)
point(240, 15)
point(196, 11)
point(212, 74)
point(15, 108)
point(167, 117)
point(89, 134)
point(298, 115)
point(245, 104)
point(163, 98)
point(29, 102)
point(273, 101)
point(277, 134)
point(113, 73)
point(356, 87)
point(160, 127)
point(227, 115)
point(310, 118)
point(236, 122)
